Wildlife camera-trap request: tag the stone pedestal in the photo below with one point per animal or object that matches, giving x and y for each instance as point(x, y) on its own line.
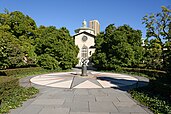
point(84, 70)
point(84, 67)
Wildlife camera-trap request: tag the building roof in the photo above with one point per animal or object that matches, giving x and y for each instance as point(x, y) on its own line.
point(92, 47)
point(83, 28)
point(84, 33)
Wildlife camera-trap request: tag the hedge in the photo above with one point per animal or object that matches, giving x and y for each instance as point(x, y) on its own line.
point(7, 84)
point(154, 103)
point(152, 74)
point(157, 95)
point(12, 95)
point(161, 88)
point(14, 72)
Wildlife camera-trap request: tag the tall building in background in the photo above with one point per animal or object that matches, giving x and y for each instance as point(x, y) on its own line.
point(95, 25)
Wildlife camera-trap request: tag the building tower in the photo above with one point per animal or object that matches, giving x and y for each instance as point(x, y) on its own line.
point(85, 40)
point(95, 25)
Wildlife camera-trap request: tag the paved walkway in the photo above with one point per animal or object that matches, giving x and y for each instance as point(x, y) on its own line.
point(55, 100)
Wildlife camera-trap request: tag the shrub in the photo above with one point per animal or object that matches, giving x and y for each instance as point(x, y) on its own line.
point(152, 74)
point(116, 68)
point(66, 65)
point(48, 62)
point(19, 71)
point(6, 85)
point(155, 103)
point(159, 87)
point(12, 95)
point(15, 98)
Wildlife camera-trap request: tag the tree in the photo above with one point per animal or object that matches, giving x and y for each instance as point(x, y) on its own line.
point(158, 26)
point(11, 55)
point(117, 48)
point(153, 54)
point(58, 44)
point(20, 24)
point(19, 31)
point(21, 42)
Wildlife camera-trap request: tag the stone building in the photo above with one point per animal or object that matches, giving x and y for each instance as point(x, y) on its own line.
point(85, 40)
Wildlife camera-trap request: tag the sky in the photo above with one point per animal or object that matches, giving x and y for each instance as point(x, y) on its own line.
point(71, 13)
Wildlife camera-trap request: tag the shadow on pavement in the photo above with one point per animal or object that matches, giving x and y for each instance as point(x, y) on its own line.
point(122, 83)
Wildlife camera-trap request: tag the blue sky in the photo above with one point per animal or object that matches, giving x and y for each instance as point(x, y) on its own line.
point(71, 13)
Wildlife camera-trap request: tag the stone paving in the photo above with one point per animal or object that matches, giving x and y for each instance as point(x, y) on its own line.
point(54, 100)
point(75, 80)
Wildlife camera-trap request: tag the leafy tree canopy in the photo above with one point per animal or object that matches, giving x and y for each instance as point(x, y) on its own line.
point(159, 25)
point(118, 47)
point(23, 44)
point(58, 44)
point(158, 30)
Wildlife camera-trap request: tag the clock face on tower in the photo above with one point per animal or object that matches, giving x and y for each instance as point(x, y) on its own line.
point(84, 38)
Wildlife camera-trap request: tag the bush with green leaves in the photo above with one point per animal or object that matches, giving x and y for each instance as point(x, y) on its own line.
point(12, 95)
point(15, 98)
point(20, 71)
point(155, 104)
point(48, 62)
point(150, 73)
point(7, 83)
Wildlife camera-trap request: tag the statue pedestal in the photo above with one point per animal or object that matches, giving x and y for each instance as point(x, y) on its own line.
point(84, 70)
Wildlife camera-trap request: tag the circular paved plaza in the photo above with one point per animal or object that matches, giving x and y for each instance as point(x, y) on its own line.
point(70, 93)
point(93, 80)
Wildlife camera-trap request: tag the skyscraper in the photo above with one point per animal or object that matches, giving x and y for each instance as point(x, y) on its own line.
point(95, 25)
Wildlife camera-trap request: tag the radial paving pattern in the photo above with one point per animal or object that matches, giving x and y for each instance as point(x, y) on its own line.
point(72, 80)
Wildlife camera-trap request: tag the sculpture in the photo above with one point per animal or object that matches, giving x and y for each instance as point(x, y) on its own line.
point(84, 67)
